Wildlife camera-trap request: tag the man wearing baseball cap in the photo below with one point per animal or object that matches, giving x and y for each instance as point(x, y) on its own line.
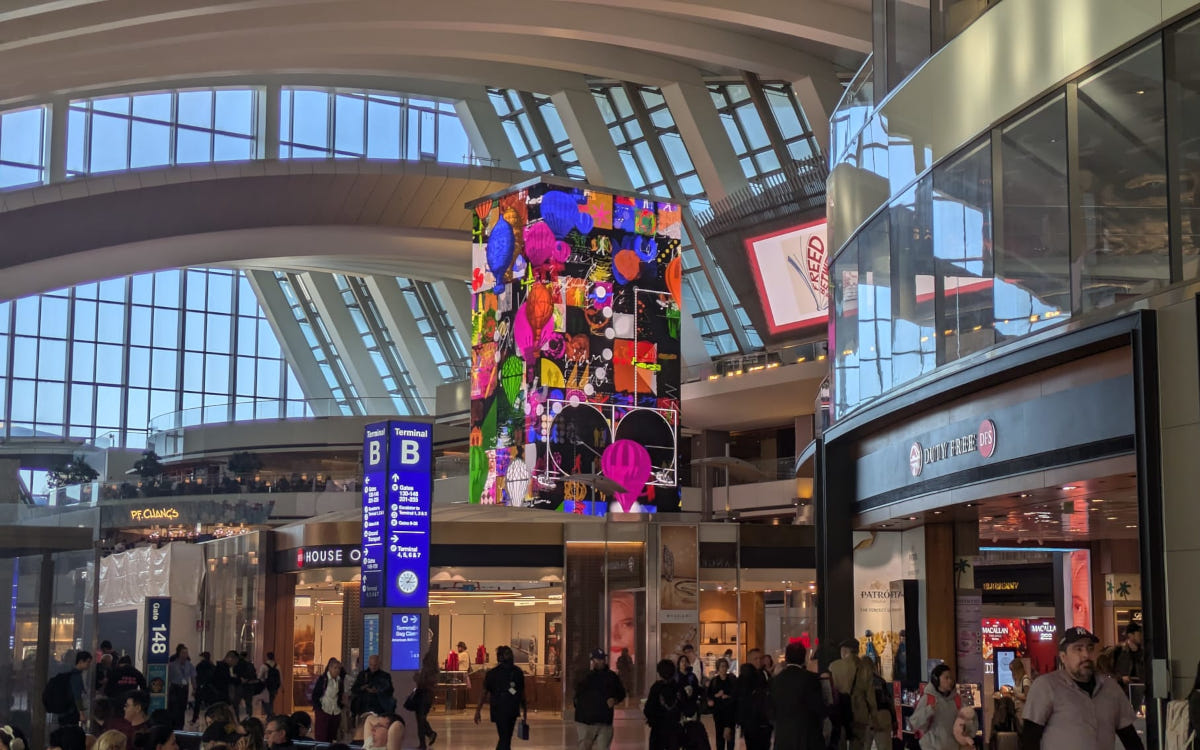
point(1073, 708)
point(595, 696)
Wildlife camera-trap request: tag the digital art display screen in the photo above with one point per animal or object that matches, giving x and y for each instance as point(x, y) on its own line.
point(575, 357)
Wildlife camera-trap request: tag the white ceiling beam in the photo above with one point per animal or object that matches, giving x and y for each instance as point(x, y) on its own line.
point(346, 338)
point(581, 118)
point(484, 129)
point(707, 142)
point(818, 93)
point(406, 336)
point(292, 343)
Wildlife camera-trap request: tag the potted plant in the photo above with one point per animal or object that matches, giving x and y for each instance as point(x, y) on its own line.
point(242, 464)
point(65, 472)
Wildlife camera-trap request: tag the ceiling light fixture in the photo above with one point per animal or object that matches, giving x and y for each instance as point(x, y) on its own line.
point(1069, 487)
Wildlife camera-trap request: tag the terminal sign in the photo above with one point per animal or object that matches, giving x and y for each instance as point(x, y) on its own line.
point(374, 519)
point(406, 642)
point(409, 498)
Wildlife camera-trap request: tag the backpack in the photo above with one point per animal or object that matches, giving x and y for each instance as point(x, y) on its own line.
point(57, 696)
point(273, 681)
point(1178, 735)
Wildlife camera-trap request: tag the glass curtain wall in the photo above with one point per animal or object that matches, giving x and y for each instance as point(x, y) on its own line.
point(103, 360)
point(324, 123)
point(1092, 204)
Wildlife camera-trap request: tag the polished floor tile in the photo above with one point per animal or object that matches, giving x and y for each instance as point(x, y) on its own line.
point(457, 731)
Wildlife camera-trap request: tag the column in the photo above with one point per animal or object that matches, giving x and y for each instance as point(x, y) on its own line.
point(589, 135)
point(59, 109)
point(406, 336)
point(295, 347)
point(818, 94)
point(270, 118)
point(707, 142)
point(346, 339)
point(485, 130)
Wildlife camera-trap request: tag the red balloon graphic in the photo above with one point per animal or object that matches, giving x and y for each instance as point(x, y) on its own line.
point(628, 265)
point(539, 305)
point(675, 279)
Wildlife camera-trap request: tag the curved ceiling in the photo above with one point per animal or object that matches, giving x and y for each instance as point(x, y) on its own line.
point(75, 45)
point(351, 216)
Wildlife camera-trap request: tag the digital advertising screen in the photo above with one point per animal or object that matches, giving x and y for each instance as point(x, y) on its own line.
point(791, 271)
point(575, 356)
point(406, 642)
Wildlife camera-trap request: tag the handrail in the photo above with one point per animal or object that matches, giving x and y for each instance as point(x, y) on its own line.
point(800, 186)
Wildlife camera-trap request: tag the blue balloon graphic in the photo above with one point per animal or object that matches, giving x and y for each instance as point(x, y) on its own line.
point(646, 248)
point(500, 246)
point(560, 212)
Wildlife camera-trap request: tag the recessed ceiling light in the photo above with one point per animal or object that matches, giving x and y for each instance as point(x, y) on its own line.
point(912, 518)
point(1097, 499)
point(1068, 487)
point(1111, 518)
point(970, 505)
point(1024, 494)
point(937, 513)
point(1131, 525)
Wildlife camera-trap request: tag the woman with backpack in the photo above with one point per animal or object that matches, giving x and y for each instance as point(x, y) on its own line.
point(328, 699)
point(936, 711)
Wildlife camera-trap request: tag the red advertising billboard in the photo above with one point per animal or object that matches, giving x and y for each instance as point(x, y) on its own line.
point(791, 271)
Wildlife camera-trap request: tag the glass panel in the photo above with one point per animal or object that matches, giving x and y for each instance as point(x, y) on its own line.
point(348, 124)
point(875, 309)
point(1123, 178)
point(22, 136)
point(150, 145)
point(962, 243)
point(192, 146)
point(310, 119)
point(383, 130)
point(914, 332)
point(235, 111)
point(152, 106)
point(1033, 286)
point(109, 143)
point(195, 108)
point(1187, 71)
point(844, 277)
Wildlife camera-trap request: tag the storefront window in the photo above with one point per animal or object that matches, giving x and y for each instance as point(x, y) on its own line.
point(1123, 182)
point(1187, 72)
point(962, 245)
point(914, 333)
point(234, 595)
point(875, 309)
point(1033, 288)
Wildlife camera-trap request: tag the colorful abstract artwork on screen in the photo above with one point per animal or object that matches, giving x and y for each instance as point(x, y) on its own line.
point(575, 362)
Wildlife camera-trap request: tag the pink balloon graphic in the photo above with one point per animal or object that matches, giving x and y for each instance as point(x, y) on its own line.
point(539, 244)
point(527, 339)
point(627, 463)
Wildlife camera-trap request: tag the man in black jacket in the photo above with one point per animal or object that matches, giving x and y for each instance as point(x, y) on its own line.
point(753, 703)
point(373, 691)
point(596, 695)
point(798, 706)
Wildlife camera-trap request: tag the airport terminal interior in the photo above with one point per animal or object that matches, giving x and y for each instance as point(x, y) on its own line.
point(423, 343)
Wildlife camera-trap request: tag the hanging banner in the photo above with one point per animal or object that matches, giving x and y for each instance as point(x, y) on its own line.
point(968, 616)
point(158, 649)
point(678, 574)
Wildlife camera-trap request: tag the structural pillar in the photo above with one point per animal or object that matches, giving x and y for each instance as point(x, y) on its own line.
point(589, 135)
point(59, 110)
point(707, 142)
point(485, 131)
point(270, 119)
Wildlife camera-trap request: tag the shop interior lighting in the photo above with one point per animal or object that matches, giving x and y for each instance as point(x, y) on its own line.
point(1028, 549)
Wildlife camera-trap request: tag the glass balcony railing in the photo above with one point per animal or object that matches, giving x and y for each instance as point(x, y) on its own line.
point(267, 409)
point(853, 111)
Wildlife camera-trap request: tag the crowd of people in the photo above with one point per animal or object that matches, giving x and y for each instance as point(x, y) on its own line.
point(787, 708)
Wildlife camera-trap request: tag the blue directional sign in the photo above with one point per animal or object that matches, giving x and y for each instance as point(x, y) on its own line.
point(374, 521)
point(409, 498)
point(158, 648)
point(406, 642)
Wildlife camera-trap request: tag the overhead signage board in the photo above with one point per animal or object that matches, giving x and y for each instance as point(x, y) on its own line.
point(791, 271)
point(158, 648)
point(409, 502)
point(318, 556)
point(374, 520)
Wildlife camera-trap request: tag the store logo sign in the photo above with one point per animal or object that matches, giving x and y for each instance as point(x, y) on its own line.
point(982, 441)
point(153, 514)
